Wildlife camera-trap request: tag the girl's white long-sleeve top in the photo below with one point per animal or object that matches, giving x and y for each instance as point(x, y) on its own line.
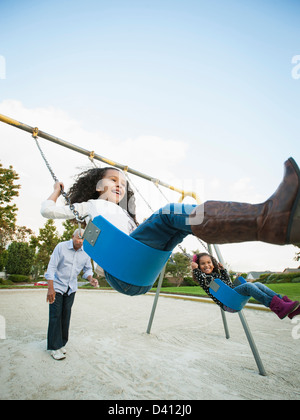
point(90, 209)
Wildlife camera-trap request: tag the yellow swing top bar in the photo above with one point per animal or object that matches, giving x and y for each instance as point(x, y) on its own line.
point(36, 132)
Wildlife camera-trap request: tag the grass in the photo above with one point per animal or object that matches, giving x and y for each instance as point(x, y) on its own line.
point(292, 290)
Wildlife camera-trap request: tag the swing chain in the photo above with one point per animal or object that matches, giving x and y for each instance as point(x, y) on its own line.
point(63, 193)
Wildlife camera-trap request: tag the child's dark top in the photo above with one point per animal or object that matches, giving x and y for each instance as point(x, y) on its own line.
point(204, 280)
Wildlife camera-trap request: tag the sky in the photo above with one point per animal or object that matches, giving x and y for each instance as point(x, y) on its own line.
point(202, 95)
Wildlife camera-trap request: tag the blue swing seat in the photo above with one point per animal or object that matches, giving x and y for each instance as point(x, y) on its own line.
point(121, 255)
point(228, 296)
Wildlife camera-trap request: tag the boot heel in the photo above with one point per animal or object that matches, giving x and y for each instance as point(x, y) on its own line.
point(293, 231)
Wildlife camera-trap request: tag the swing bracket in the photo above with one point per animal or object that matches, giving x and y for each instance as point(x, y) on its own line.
point(91, 233)
point(214, 286)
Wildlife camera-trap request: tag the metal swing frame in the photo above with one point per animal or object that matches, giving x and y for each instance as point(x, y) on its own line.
point(243, 320)
point(92, 155)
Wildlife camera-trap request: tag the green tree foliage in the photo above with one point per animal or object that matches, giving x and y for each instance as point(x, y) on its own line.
point(3, 259)
point(25, 248)
point(45, 243)
point(179, 267)
point(20, 256)
point(70, 228)
point(8, 190)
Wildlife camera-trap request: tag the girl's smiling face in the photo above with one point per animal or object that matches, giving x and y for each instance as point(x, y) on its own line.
point(112, 187)
point(206, 265)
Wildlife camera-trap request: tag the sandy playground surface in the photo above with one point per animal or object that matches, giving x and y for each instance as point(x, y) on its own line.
point(111, 357)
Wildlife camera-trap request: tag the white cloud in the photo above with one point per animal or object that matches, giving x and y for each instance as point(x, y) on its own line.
point(259, 256)
point(241, 184)
point(152, 155)
point(242, 190)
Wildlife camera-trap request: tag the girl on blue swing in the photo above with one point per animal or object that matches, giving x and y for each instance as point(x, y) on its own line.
point(106, 192)
point(206, 268)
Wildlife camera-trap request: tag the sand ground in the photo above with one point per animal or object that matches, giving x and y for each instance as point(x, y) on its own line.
point(111, 357)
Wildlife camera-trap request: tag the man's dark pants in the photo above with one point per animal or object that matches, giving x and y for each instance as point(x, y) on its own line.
point(59, 320)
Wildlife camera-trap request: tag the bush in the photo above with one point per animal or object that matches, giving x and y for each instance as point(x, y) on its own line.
point(18, 278)
point(263, 278)
point(19, 258)
point(296, 280)
point(165, 283)
point(189, 281)
point(3, 259)
point(5, 282)
point(279, 278)
point(272, 278)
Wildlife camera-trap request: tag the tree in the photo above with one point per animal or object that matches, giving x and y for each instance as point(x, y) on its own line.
point(20, 256)
point(70, 228)
point(8, 190)
point(3, 259)
point(180, 267)
point(45, 243)
point(22, 234)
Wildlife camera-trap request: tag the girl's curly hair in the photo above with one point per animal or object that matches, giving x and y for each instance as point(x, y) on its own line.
point(84, 189)
point(197, 258)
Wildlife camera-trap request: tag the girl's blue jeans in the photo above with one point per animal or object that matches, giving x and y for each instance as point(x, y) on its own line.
point(258, 291)
point(165, 229)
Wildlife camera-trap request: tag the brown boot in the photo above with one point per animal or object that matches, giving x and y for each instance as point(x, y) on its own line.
point(276, 221)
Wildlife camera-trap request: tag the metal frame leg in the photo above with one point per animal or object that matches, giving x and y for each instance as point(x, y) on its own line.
point(161, 277)
point(252, 344)
point(245, 326)
point(227, 335)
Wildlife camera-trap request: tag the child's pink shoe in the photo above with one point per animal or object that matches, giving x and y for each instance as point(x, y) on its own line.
point(295, 312)
point(282, 308)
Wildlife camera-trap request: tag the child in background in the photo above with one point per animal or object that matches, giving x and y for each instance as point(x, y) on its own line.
point(206, 268)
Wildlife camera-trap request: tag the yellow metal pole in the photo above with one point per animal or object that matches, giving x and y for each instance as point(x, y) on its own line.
point(36, 132)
